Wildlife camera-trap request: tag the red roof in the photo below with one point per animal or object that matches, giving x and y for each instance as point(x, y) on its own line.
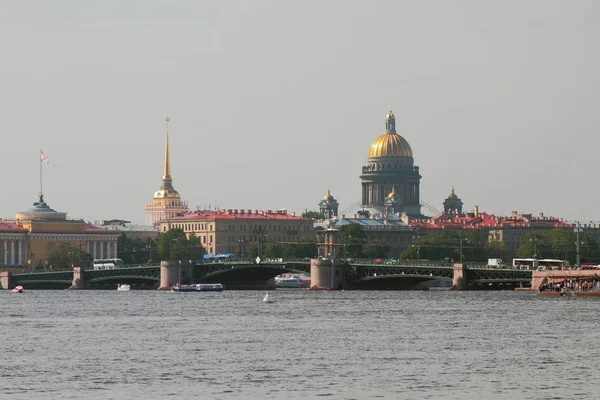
point(484, 220)
point(11, 227)
point(235, 214)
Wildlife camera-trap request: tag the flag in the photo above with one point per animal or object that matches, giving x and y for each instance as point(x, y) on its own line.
point(44, 158)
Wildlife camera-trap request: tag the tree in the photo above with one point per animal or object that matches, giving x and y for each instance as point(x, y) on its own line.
point(495, 249)
point(64, 256)
point(175, 245)
point(351, 237)
point(377, 251)
point(273, 250)
point(313, 215)
point(306, 248)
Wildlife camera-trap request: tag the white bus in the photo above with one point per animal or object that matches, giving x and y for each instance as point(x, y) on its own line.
point(108, 263)
point(525, 263)
point(549, 264)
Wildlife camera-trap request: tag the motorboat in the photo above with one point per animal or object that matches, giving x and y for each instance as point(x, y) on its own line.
point(198, 287)
point(18, 289)
point(123, 287)
point(267, 299)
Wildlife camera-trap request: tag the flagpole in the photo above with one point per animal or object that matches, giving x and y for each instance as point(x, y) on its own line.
point(41, 186)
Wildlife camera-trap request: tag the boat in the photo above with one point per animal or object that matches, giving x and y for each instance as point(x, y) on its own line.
point(289, 283)
point(267, 299)
point(123, 287)
point(292, 281)
point(18, 289)
point(198, 287)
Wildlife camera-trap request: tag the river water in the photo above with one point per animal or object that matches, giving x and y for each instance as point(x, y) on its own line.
point(308, 344)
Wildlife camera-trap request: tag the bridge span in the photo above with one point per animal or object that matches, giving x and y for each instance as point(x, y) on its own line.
point(325, 274)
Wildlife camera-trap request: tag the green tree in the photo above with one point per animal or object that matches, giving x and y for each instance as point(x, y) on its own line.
point(313, 215)
point(533, 245)
point(495, 249)
point(273, 250)
point(351, 237)
point(306, 247)
point(64, 256)
point(175, 245)
point(377, 251)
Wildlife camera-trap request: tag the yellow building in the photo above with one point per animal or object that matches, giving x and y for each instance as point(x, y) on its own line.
point(235, 231)
point(38, 230)
point(167, 202)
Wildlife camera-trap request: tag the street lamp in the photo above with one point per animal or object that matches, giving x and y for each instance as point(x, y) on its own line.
point(534, 239)
point(460, 237)
point(149, 247)
point(418, 237)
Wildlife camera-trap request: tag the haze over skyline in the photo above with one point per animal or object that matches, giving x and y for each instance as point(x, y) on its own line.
point(272, 103)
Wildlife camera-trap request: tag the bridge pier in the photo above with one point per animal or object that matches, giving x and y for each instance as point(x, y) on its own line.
point(326, 275)
point(78, 279)
point(172, 272)
point(5, 280)
point(459, 280)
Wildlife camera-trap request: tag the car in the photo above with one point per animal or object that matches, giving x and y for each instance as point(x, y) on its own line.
point(377, 261)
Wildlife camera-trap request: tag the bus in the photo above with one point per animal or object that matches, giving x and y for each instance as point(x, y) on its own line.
point(525, 263)
point(550, 264)
point(108, 263)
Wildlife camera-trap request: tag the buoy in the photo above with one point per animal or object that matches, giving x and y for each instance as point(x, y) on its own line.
point(267, 299)
point(18, 289)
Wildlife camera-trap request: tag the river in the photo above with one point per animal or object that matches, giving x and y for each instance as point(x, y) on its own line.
point(308, 344)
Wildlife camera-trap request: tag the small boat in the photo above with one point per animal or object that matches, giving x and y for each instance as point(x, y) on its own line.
point(123, 287)
point(198, 287)
point(570, 293)
point(267, 299)
point(18, 289)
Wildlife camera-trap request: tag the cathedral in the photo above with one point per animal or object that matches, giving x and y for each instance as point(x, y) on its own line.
point(167, 202)
point(390, 180)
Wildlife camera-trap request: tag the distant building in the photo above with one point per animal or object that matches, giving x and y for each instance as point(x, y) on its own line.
point(390, 168)
point(39, 229)
point(130, 230)
point(234, 231)
point(329, 206)
point(166, 203)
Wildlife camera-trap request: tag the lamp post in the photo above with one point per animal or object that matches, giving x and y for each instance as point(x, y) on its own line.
point(149, 247)
point(577, 246)
point(418, 237)
point(460, 238)
point(534, 239)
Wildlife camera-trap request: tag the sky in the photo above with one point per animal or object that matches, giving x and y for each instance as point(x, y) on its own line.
point(273, 102)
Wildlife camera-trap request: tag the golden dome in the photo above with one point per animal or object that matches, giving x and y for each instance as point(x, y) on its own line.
point(168, 193)
point(390, 144)
point(328, 196)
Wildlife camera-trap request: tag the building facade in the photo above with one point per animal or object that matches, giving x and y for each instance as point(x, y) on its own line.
point(390, 168)
point(166, 203)
point(40, 229)
point(234, 231)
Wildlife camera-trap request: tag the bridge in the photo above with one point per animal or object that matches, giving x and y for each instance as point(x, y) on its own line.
point(247, 275)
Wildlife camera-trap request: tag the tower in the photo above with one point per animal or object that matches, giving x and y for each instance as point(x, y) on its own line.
point(329, 206)
point(167, 202)
point(453, 204)
point(390, 168)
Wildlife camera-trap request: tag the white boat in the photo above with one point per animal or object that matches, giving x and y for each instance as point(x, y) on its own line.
point(267, 299)
point(198, 287)
point(123, 287)
point(295, 281)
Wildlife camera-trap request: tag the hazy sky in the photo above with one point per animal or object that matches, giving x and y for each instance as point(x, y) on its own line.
point(273, 102)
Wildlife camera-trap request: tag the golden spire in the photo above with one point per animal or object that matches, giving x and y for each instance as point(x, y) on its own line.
point(167, 172)
point(328, 196)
